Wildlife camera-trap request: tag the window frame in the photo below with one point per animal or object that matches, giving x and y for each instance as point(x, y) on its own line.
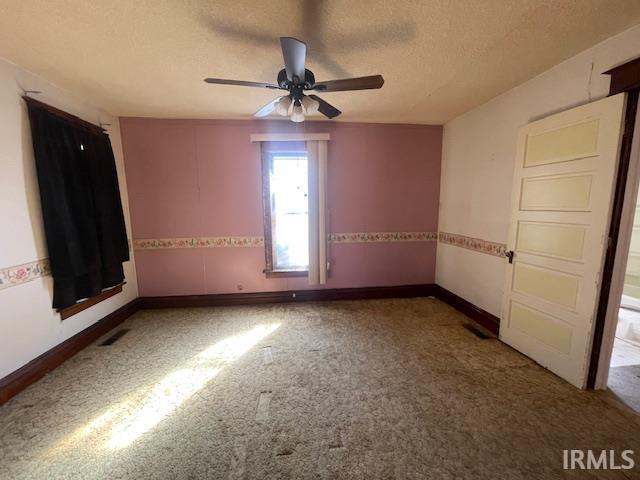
point(267, 155)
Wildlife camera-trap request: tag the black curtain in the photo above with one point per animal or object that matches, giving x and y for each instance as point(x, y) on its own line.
point(83, 219)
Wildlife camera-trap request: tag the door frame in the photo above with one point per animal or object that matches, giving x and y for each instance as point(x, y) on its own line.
point(624, 78)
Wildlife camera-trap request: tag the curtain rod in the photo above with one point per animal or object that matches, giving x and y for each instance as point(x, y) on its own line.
point(62, 114)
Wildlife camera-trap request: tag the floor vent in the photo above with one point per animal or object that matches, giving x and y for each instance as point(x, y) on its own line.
point(476, 331)
point(114, 338)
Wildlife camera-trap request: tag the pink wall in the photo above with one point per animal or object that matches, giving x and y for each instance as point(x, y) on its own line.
point(201, 178)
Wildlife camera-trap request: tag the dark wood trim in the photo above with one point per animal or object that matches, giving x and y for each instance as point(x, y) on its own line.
point(614, 233)
point(286, 274)
point(40, 366)
point(37, 368)
point(63, 115)
point(257, 298)
point(90, 302)
point(484, 318)
point(625, 77)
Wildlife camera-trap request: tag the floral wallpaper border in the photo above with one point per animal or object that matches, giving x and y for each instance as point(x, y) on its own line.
point(366, 237)
point(475, 244)
point(216, 242)
point(197, 242)
point(26, 272)
point(18, 274)
point(23, 273)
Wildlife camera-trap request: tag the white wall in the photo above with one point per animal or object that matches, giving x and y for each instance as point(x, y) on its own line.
point(28, 324)
point(478, 159)
point(632, 273)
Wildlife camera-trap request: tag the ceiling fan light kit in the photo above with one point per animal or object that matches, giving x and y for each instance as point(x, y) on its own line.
point(283, 105)
point(310, 105)
point(296, 79)
point(297, 115)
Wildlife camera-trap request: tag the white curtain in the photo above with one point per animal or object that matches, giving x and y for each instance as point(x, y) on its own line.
point(317, 164)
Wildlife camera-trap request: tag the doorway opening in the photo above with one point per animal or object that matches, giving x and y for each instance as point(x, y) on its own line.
point(624, 367)
point(615, 353)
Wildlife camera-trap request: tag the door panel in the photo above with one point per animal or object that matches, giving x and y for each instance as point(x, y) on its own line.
point(562, 144)
point(552, 332)
point(552, 239)
point(552, 286)
point(567, 192)
point(563, 188)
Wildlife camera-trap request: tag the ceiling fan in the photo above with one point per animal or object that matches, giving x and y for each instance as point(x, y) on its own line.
point(297, 80)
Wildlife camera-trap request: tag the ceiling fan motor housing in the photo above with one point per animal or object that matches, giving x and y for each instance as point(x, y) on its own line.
point(307, 84)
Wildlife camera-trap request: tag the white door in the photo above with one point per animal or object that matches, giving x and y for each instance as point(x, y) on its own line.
point(563, 189)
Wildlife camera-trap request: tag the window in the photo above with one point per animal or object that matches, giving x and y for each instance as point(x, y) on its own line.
point(285, 184)
point(294, 189)
point(81, 207)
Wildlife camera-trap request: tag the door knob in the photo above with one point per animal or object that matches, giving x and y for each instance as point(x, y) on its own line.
point(509, 254)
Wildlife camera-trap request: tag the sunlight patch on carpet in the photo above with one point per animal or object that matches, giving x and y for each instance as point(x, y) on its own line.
point(125, 422)
point(181, 384)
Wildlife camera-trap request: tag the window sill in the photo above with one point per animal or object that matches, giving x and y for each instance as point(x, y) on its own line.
point(286, 273)
point(89, 302)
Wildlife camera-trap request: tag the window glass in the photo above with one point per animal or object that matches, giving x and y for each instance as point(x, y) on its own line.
point(289, 211)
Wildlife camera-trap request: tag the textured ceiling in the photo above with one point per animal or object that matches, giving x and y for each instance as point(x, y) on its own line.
point(439, 58)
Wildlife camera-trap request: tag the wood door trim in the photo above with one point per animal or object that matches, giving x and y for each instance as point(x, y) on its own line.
point(614, 233)
point(624, 78)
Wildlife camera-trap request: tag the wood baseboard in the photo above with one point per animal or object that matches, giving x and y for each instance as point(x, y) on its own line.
point(37, 368)
point(40, 366)
point(288, 296)
point(484, 318)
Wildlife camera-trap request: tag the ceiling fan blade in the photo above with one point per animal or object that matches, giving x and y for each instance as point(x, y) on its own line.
point(242, 83)
point(359, 83)
point(294, 53)
point(326, 109)
point(267, 109)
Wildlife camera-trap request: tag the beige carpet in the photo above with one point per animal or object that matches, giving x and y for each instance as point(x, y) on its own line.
point(370, 389)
